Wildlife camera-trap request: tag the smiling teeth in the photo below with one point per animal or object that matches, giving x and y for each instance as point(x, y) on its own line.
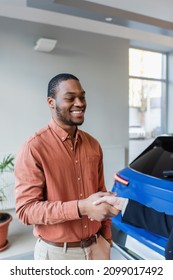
point(77, 112)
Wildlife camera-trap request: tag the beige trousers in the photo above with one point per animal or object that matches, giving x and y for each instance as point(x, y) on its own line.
point(97, 251)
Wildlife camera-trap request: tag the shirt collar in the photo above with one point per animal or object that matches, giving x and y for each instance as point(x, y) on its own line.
point(62, 134)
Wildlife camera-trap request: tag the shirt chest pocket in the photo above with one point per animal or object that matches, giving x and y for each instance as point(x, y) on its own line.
point(93, 168)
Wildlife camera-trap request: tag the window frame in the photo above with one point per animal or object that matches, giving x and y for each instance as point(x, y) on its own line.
point(163, 81)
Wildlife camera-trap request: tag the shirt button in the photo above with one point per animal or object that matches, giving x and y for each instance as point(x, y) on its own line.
point(71, 148)
point(81, 194)
point(76, 161)
point(78, 178)
point(85, 226)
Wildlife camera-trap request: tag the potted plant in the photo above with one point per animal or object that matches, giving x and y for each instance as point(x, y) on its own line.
point(7, 165)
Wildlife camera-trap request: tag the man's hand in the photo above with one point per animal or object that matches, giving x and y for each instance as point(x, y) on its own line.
point(117, 202)
point(100, 211)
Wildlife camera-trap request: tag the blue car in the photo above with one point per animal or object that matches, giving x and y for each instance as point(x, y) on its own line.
point(148, 180)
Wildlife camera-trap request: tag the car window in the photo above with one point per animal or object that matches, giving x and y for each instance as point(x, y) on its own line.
point(157, 159)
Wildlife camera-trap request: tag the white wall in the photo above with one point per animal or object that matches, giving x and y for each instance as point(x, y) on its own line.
point(100, 62)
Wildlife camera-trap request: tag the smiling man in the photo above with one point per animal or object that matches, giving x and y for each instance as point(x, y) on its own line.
point(58, 175)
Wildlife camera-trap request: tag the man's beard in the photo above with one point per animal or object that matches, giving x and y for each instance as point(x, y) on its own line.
point(65, 120)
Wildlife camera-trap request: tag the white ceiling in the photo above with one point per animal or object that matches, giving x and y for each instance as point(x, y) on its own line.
point(147, 24)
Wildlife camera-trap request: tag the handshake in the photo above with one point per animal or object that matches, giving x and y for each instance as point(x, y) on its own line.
point(101, 206)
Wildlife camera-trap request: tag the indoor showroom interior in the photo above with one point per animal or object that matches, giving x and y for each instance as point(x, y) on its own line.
point(107, 45)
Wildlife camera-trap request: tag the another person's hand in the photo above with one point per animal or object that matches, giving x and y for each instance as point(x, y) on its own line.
point(99, 212)
point(117, 202)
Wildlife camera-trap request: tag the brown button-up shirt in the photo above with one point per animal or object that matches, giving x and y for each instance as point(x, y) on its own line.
point(51, 174)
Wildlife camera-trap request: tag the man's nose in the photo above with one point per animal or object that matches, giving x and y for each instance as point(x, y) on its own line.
point(78, 102)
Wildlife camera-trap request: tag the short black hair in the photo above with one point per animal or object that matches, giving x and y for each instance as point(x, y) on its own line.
point(55, 81)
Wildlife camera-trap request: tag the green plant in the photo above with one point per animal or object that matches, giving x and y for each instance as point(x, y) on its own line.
point(7, 165)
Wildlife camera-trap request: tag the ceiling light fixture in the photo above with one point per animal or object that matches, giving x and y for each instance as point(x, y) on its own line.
point(45, 45)
point(108, 19)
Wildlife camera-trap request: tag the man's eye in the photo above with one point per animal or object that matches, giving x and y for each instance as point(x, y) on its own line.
point(69, 99)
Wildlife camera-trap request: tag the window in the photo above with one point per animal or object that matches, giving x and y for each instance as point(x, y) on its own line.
point(147, 91)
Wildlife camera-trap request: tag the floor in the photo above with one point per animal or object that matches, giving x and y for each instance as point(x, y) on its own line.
point(22, 242)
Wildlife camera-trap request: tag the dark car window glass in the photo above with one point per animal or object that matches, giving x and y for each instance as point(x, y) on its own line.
point(157, 159)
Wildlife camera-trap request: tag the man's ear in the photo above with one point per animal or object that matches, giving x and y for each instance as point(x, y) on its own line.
point(51, 102)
